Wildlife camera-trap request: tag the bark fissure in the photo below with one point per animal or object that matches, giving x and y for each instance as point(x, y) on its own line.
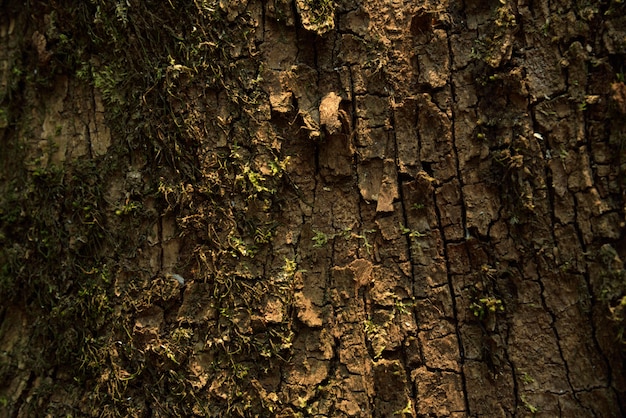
point(409, 245)
point(459, 178)
point(553, 321)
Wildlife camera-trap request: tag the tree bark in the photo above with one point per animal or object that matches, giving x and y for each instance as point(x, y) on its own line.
point(312, 208)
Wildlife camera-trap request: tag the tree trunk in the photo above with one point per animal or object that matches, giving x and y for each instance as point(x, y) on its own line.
point(312, 208)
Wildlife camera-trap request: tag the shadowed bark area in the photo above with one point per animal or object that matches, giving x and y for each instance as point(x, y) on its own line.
point(312, 208)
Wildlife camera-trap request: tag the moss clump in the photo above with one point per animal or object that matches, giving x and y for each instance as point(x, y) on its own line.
point(179, 82)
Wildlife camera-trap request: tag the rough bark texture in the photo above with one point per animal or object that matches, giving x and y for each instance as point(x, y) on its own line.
point(312, 208)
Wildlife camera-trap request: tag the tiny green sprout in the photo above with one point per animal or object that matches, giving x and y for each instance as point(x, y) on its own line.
point(545, 27)
point(346, 233)
point(16, 71)
point(480, 136)
point(128, 208)
point(531, 408)
point(379, 352)
point(527, 379)
point(319, 239)
point(262, 236)
point(289, 269)
point(418, 206)
point(411, 233)
point(416, 234)
point(277, 167)
point(408, 409)
point(370, 327)
point(239, 247)
point(486, 305)
point(366, 243)
point(492, 304)
point(302, 402)
point(403, 307)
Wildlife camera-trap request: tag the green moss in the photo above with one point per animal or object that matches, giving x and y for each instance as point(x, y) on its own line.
point(323, 10)
point(160, 68)
point(485, 306)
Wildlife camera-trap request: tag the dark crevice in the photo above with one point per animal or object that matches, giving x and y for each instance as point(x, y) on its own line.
point(586, 273)
point(428, 168)
point(408, 239)
point(551, 227)
point(453, 302)
point(553, 326)
point(263, 19)
point(464, 225)
point(593, 302)
point(507, 358)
